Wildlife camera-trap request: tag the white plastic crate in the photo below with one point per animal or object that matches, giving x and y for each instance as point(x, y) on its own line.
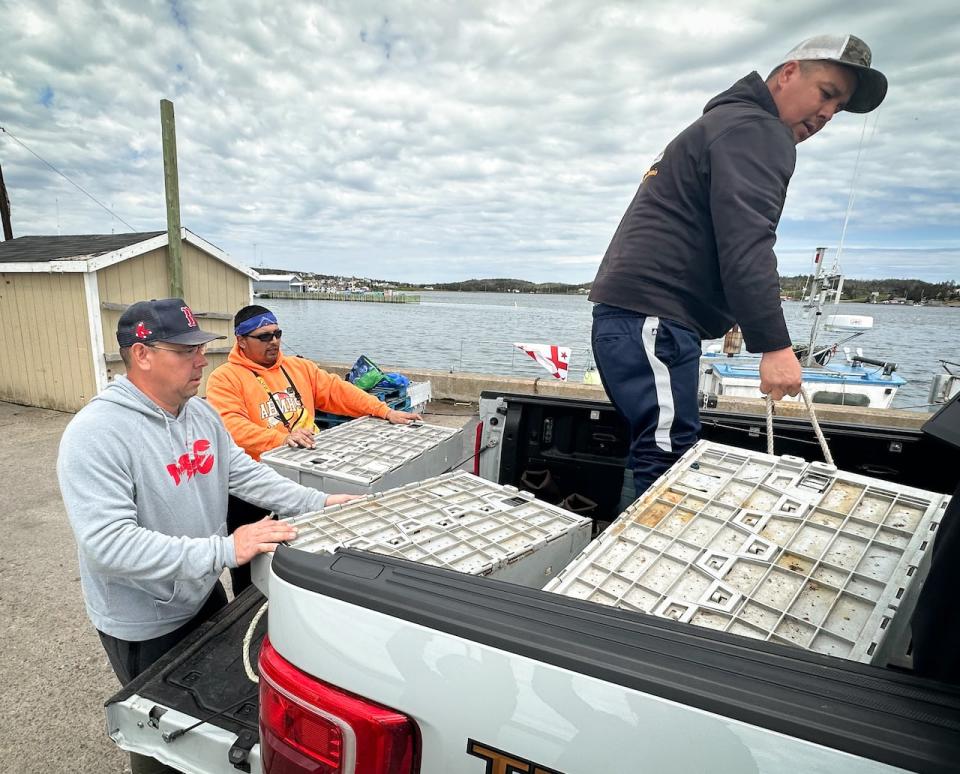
point(369, 455)
point(420, 394)
point(767, 547)
point(457, 521)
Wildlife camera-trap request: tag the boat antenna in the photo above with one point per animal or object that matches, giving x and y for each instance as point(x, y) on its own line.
point(851, 198)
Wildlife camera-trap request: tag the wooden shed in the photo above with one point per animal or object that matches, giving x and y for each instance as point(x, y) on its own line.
point(61, 298)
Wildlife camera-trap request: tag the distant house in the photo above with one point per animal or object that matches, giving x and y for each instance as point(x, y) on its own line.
point(286, 282)
point(61, 298)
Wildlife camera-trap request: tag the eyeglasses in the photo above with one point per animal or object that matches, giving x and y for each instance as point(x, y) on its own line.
point(266, 337)
point(191, 351)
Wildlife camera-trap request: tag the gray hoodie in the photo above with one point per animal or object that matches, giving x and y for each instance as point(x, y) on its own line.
point(146, 494)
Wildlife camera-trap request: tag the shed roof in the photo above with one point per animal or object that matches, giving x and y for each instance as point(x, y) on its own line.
point(278, 277)
point(29, 249)
point(92, 252)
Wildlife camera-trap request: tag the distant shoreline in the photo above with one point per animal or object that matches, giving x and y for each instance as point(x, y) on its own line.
point(413, 289)
point(407, 289)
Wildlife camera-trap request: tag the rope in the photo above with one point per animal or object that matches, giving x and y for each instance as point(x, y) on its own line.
point(247, 639)
point(769, 425)
point(827, 456)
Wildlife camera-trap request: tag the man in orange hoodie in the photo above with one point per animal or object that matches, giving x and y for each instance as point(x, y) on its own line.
point(267, 400)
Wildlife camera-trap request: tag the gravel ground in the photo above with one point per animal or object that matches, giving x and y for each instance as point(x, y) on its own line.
point(53, 670)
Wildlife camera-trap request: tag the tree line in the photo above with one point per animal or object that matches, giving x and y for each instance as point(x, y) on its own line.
point(506, 285)
point(886, 289)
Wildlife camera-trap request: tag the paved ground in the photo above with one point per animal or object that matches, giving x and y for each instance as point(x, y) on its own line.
point(53, 671)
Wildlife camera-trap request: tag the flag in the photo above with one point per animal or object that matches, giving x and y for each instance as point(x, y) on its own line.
point(555, 359)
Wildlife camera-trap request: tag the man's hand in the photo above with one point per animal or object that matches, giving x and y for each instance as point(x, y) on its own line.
point(402, 417)
point(301, 437)
point(341, 498)
point(261, 537)
point(780, 373)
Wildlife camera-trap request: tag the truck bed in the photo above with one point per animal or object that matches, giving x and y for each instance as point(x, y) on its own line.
point(879, 715)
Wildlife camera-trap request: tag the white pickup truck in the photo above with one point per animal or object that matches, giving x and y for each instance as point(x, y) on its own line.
point(375, 664)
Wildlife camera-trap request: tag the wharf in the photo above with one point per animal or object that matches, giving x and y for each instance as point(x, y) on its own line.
point(373, 298)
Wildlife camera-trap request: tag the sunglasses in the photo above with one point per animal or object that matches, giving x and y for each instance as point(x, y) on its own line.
point(190, 351)
point(266, 337)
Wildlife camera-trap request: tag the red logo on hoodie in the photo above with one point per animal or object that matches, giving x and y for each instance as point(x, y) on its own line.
point(189, 465)
point(142, 331)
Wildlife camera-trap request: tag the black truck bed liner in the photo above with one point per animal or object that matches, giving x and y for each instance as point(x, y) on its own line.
point(204, 676)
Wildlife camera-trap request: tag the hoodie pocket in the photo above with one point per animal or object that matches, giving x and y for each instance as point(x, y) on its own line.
point(186, 599)
point(164, 603)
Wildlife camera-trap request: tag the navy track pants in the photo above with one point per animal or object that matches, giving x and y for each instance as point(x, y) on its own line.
point(650, 369)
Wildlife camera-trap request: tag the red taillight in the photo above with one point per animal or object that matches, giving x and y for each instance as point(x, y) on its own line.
point(309, 726)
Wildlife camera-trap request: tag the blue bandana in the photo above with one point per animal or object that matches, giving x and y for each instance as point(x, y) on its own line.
point(255, 322)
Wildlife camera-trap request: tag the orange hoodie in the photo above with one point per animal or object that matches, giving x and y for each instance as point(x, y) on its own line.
point(234, 390)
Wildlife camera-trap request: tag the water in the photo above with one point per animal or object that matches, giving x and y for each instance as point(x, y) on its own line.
point(476, 332)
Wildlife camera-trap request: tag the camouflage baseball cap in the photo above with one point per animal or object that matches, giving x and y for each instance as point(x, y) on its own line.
point(850, 51)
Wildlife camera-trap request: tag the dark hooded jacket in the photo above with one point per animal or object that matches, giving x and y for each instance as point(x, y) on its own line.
point(696, 243)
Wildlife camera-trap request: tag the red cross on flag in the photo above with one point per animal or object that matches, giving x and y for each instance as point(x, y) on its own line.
point(555, 359)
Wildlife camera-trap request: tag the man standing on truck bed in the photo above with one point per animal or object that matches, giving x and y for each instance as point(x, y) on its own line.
point(145, 469)
point(694, 252)
point(267, 400)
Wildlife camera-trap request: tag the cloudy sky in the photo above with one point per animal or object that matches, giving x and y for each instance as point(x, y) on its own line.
point(435, 141)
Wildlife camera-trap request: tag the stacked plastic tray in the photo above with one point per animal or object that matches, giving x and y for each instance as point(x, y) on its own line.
point(369, 455)
point(767, 547)
point(457, 521)
point(419, 394)
point(396, 398)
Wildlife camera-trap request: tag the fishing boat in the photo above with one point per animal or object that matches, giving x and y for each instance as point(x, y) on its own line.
point(851, 380)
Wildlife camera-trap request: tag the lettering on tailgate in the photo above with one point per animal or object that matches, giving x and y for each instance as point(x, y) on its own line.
point(502, 762)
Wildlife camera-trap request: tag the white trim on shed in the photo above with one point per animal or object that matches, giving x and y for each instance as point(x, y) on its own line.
point(91, 291)
point(90, 264)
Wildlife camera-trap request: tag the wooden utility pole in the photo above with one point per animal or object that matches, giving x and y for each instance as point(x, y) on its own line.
point(5, 209)
point(171, 185)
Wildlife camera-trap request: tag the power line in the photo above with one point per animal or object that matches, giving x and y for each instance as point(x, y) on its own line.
point(75, 185)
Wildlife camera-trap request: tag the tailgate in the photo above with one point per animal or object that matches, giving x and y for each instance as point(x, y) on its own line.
point(200, 685)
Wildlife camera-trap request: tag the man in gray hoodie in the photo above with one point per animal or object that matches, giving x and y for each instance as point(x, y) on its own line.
point(693, 253)
point(145, 470)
